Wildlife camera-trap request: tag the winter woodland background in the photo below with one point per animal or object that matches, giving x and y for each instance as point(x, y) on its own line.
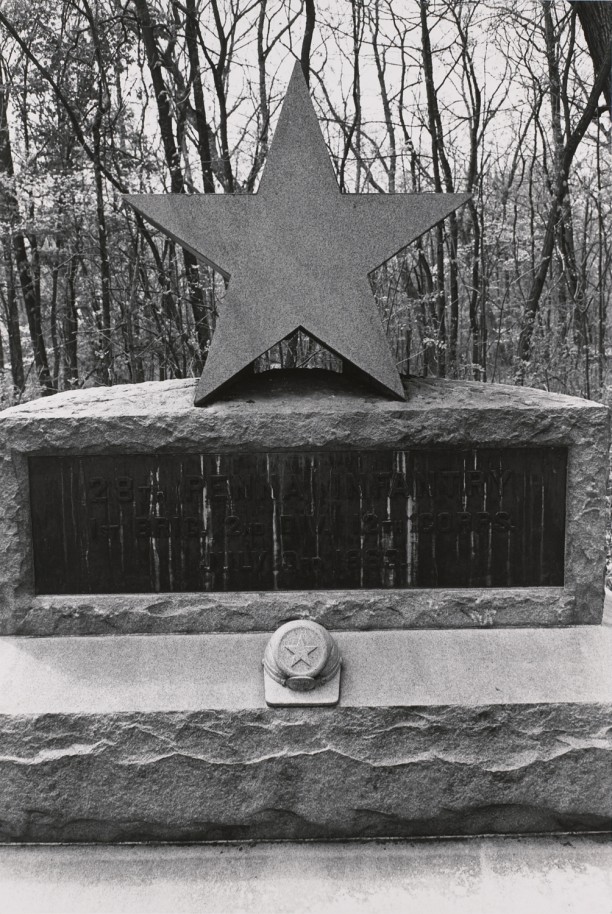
point(506, 100)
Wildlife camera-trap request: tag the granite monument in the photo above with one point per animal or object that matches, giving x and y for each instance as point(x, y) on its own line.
point(422, 559)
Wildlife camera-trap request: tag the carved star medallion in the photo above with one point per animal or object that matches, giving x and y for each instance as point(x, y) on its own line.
point(301, 650)
point(297, 253)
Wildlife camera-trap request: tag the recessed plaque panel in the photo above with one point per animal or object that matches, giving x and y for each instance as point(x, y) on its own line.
point(485, 517)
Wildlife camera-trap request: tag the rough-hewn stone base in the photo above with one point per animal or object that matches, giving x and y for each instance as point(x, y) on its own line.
point(437, 733)
point(354, 772)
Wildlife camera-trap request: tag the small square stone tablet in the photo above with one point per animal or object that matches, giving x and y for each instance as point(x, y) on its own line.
point(279, 696)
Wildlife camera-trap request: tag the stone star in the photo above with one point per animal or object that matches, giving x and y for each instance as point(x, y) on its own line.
point(301, 650)
point(297, 253)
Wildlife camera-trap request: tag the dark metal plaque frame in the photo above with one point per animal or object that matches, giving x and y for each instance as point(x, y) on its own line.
point(484, 517)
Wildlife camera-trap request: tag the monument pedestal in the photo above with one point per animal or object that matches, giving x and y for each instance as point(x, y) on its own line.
point(140, 738)
point(286, 413)
point(463, 710)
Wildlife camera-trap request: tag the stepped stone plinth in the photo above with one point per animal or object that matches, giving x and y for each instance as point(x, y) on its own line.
point(469, 703)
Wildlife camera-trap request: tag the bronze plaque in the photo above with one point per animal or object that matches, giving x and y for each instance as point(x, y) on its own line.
point(485, 517)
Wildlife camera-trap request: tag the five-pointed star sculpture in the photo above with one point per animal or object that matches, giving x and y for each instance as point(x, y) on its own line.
point(297, 253)
point(301, 650)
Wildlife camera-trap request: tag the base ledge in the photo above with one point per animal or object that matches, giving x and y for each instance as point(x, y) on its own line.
point(139, 738)
point(407, 668)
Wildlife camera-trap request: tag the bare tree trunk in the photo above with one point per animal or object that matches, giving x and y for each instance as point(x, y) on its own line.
point(379, 60)
point(219, 70)
point(595, 17)
point(172, 155)
point(476, 303)
point(602, 316)
point(12, 320)
point(55, 341)
point(191, 40)
point(572, 141)
point(354, 127)
point(71, 325)
point(9, 203)
point(103, 105)
point(261, 148)
point(440, 160)
point(307, 39)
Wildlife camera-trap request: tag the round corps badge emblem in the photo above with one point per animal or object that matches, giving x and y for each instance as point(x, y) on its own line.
point(302, 665)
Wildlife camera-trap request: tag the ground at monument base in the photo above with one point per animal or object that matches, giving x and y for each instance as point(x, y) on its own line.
point(473, 876)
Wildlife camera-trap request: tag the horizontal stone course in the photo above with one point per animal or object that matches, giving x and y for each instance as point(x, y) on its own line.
point(299, 413)
point(250, 612)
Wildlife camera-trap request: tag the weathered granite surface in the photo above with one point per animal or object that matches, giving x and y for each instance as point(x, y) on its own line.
point(321, 411)
point(307, 773)
point(436, 733)
point(335, 609)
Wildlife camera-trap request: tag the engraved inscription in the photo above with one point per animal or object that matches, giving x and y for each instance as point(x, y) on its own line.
point(286, 521)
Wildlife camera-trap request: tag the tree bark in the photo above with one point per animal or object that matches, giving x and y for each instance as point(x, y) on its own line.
point(71, 327)
point(439, 160)
point(595, 17)
point(172, 156)
point(12, 320)
point(10, 205)
point(307, 39)
point(202, 127)
point(555, 212)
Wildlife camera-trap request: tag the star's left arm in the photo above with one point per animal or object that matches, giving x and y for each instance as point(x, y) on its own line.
point(211, 226)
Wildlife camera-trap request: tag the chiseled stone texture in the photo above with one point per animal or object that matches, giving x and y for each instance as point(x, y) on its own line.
point(306, 773)
point(437, 733)
point(281, 410)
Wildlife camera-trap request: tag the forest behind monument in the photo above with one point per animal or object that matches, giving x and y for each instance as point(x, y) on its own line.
point(508, 101)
